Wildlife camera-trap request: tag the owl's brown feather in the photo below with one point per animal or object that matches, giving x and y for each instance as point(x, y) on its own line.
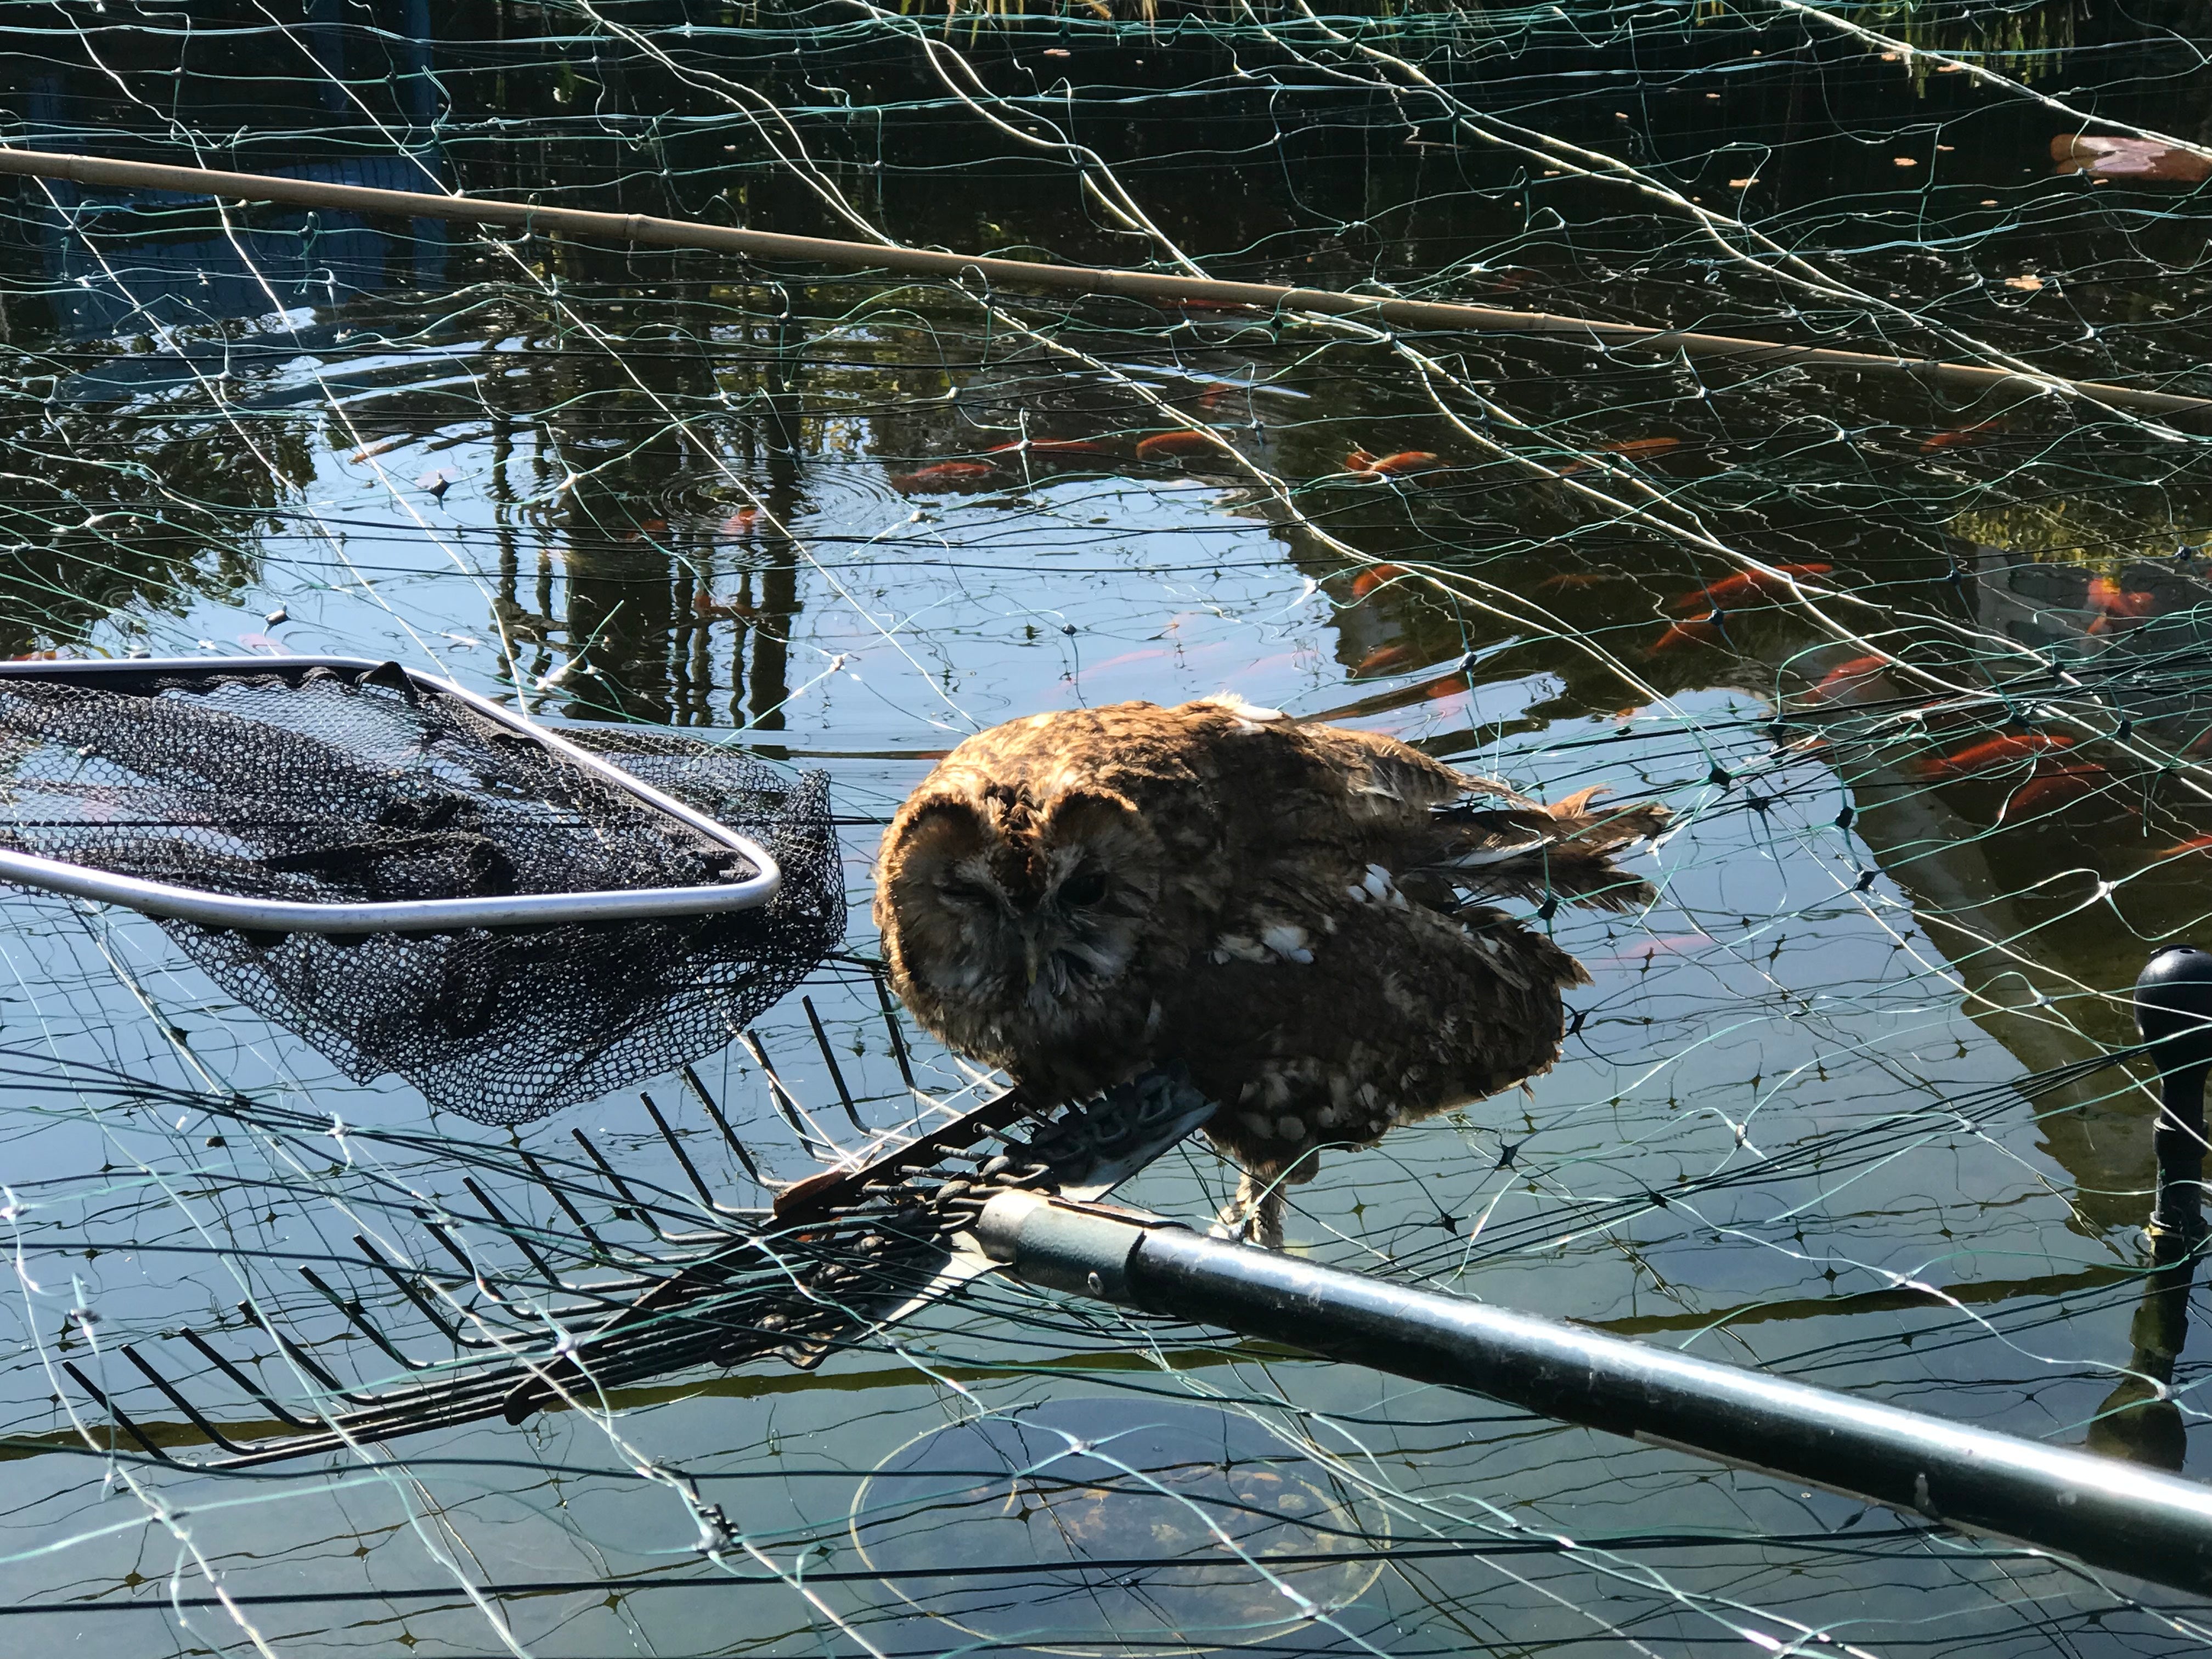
point(1294, 911)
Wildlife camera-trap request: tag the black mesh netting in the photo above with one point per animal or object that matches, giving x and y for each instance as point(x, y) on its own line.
point(339, 788)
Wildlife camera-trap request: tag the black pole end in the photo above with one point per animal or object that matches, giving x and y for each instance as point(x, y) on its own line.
point(2173, 1006)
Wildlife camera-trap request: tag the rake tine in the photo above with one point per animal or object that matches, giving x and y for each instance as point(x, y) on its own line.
point(122, 1419)
point(675, 1146)
point(299, 1356)
point(359, 1320)
point(809, 1132)
point(422, 1302)
point(469, 1270)
point(178, 1400)
point(560, 1198)
point(246, 1383)
point(640, 1213)
point(723, 1124)
point(890, 1023)
point(837, 1077)
point(521, 1240)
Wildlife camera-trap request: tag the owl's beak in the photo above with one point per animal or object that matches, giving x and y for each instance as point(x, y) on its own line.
point(1032, 959)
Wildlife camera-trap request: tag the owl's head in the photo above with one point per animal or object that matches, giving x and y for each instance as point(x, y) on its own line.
point(1025, 909)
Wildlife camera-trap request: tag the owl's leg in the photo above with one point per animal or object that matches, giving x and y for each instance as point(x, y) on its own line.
point(1254, 1216)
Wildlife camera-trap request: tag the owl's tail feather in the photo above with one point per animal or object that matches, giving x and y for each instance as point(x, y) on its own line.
point(1564, 851)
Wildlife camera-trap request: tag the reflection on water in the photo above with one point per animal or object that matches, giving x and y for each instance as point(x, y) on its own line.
point(2140, 1419)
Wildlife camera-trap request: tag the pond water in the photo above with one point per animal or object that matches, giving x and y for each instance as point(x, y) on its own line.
point(792, 511)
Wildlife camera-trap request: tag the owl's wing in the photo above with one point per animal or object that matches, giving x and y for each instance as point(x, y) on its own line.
point(1565, 850)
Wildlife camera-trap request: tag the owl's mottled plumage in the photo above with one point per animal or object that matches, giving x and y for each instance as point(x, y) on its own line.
point(1294, 911)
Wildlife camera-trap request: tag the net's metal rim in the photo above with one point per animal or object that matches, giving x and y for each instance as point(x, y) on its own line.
point(517, 911)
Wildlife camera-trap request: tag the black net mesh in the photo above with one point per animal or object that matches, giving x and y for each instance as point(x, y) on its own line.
point(334, 787)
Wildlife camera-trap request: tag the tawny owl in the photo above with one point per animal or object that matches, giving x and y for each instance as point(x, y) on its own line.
point(1295, 912)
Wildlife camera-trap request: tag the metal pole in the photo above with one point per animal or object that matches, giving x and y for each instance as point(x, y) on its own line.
point(1158, 286)
point(2106, 1513)
point(2173, 1012)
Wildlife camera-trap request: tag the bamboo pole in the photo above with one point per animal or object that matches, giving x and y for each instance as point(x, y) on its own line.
point(1155, 286)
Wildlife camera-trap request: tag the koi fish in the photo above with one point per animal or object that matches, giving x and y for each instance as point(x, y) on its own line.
point(1704, 631)
point(2054, 790)
point(1381, 659)
point(2108, 596)
point(946, 475)
point(1731, 591)
point(1155, 653)
point(1373, 577)
point(2194, 844)
point(1167, 446)
point(741, 522)
point(1627, 449)
point(1961, 434)
point(1993, 752)
point(1851, 681)
point(1390, 466)
point(2103, 157)
point(1646, 953)
point(708, 609)
point(381, 447)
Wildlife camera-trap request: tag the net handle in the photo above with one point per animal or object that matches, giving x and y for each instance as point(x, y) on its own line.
point(192, 904)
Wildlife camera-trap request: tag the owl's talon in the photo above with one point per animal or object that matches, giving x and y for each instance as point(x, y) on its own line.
point(1254, 1216)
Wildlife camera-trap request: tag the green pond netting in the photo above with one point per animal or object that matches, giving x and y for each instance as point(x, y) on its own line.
point(1921, 669)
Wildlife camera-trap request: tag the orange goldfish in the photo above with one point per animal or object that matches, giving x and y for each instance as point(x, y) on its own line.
point(1167, 446)
point(1627, 449)
point(2053, 788)
point(741, 522)
point(1731, 591)
point(1389, 467)
point(2108, 596)
point(1383, 658)
point(1993, 752)
point(1373, 577)
point(708, 610)
point(946, 475)
point(1963, 435)
point(1851, 682)
point(1704, 631)
point(2194, 844)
